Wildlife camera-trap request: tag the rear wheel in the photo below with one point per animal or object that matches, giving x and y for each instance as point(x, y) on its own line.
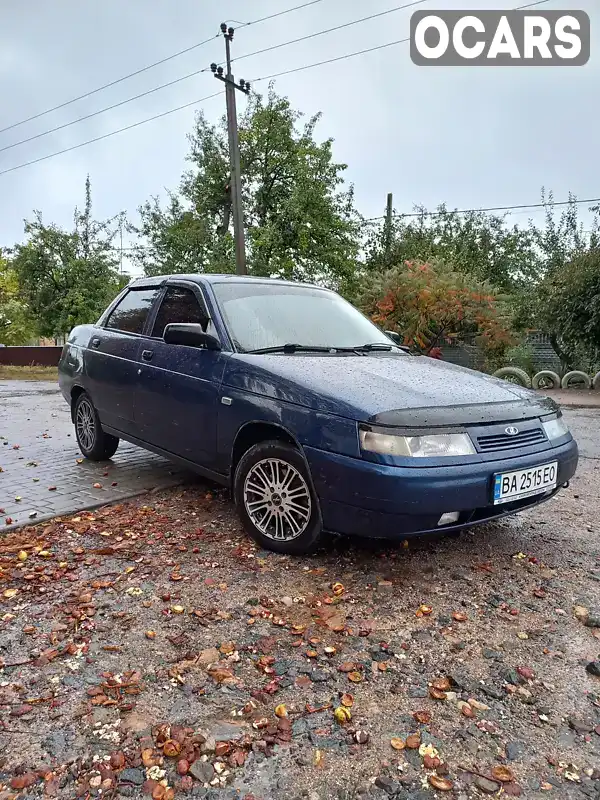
point(275, 499)
point(93, 442)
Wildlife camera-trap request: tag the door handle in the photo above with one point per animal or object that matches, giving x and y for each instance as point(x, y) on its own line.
point(95, 342)
point(147, 355)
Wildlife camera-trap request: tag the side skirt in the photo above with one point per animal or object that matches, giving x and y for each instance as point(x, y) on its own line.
point(217, 477)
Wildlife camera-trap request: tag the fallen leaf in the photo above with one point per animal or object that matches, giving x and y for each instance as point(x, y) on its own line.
point(436, 694)
point(459, 616)
point(342, 715)
point(526, 672)
point(117, 760)
point(281, 711)
point(397, 743)
point(413, 742)
point(355, 677)
point(347, 700)
point(440, 783)
point(423, 717)
point(502, 774)
point(338, 589)
point(220, 674)
point(9, 593)
point(171, 748)
point(23, 781)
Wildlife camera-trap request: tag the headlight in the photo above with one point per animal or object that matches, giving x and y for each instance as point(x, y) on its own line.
point(555, 428)
point(432, 445)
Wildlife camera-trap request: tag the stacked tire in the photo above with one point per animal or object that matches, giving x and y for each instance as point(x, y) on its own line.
point(547, 380)
point(514, 375)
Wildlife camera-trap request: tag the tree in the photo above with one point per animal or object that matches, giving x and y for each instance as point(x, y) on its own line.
point(570, 299)
point(68, 278)
point(299, 218)
point(561, 244)
point(428, 302)
point(16, 323)
point(477, 244)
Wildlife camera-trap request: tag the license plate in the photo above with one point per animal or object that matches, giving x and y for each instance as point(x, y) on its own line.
point(509, 486)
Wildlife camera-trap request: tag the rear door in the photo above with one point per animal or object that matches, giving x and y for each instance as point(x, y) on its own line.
point(112, 358)
point(178, 386)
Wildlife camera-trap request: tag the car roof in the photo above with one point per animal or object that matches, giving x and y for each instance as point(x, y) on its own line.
point(201, 278)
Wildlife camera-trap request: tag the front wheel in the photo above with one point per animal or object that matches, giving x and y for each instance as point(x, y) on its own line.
point(275, 499)
point(93, 442)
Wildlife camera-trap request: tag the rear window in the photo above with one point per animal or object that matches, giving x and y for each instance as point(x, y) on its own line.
point(132, 311)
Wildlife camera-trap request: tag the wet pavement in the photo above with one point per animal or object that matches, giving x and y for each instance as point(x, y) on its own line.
point(39, 455)
point(39, 458)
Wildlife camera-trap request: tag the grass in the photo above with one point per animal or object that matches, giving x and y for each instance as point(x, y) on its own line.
point(30, 373)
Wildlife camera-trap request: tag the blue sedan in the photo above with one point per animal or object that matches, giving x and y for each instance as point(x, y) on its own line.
point(316, 419)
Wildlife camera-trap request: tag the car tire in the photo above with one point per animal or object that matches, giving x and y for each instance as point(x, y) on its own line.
point(578, 377)
point(94, 443)
point(514, 375)
point(596, 382)
point(262, 476)
point(545, 379)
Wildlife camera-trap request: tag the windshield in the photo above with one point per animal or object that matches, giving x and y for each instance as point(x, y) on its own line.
point(265, 315)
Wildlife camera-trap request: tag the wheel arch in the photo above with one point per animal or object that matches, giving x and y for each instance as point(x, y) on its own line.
point(255, 432)
point(76, 391)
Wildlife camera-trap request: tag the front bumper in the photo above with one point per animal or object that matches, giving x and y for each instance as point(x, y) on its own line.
point(363, 498)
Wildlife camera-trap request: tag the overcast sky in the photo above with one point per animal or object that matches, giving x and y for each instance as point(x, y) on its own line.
point(469, 137)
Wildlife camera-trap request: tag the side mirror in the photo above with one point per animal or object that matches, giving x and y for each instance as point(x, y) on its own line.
point(395, 337)
point(190, 334)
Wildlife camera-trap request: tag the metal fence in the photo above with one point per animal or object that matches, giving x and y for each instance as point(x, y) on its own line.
point(467, 354)
point(30, 356)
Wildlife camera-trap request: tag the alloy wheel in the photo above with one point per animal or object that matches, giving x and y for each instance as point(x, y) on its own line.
point(277, 499)
point(85, 424)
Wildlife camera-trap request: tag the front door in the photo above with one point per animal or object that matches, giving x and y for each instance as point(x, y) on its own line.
point(112, 359)
point(178, 386)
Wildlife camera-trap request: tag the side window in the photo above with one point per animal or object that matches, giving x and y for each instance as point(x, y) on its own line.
point(180, 305)
point(131, 313)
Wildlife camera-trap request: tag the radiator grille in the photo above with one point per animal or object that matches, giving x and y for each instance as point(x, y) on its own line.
point(502, 441)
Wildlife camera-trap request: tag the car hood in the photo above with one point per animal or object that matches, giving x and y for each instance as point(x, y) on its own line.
point(385, 389)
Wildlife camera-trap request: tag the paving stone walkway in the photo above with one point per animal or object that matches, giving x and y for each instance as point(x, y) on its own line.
point(38, 451)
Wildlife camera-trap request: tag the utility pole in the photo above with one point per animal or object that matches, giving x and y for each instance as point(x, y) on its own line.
point(234, 148)
point(121, 238)
point(388, 227)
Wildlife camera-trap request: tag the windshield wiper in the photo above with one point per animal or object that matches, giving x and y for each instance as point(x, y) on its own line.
point(381, 347)
point(293, 348)
point(373, 346)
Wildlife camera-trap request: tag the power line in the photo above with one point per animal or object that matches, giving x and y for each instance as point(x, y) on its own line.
point(186, 105)
point(328, 61)
point(206, 69)
point(196, 102)
point(150, 66)
point(111, 133)
point(492, 208)
point(329, 30)
point(102, 110)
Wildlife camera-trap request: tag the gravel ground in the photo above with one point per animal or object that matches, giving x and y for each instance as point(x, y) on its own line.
point(150, 649)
